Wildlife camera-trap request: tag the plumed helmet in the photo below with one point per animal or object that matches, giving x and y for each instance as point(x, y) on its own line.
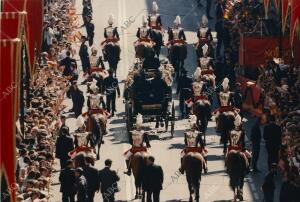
point(225, 84)
point(204, 20)
point(193, 121)
point(154, 6)
point(80, 121)
point(111, 19)
point(177, 20)
point(197, 74)
point(144, 21)
point(237, 121)
point(139, 121)
point(205, 49)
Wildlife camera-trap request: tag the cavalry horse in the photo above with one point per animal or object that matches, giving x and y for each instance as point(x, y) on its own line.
point(157, 37)
point(144, 48)
point(192, 163)
point(112, 50)
point(177, 55)
point(236, 167)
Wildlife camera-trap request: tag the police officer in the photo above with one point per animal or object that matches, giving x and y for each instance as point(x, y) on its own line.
point(184, 90)
point(84, 55)
point(111, 85)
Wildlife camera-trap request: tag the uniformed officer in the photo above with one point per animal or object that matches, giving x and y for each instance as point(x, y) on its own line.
point(177, 32)
point(144, 31)
point(184, 91)
point(84, 55)
point(154, 19)
point(111, 35)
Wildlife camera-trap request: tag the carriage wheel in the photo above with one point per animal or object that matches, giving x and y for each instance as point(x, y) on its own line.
point(172, 119)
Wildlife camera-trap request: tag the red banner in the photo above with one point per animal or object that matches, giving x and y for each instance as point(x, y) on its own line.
point(34, 30)
point(285, 9)
point(255, 51)
point(12, 24)
point(295, 17)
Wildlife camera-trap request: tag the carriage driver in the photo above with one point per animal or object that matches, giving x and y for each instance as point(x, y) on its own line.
point(138, 137)
point(193, 143)
point(111, 35)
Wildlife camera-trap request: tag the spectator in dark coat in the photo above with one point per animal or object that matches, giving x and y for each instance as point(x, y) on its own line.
point(81, 185)
point(67, 62)
point(268, 186)
point(91, 174)
point(108, 182)
point(77, 99)
point(90, 27)
point(272, 135)
point(111, 87)
point(255, 141)
point(67, 180)
point(84, 55)
point(153, 180)
point(64, 144)
point(290, 189)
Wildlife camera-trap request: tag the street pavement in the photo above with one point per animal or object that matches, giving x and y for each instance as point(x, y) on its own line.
point(214, 185)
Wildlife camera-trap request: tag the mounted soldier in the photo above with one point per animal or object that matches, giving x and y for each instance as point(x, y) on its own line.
point(176, 46)
point(154, 22)
point(144, 42)
point(204, 36)
point(137, 139)
point(111, 50)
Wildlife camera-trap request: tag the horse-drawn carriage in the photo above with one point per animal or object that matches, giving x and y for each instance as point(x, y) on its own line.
point(149, 93)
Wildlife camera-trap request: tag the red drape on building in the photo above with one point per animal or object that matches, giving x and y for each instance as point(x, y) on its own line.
point(295, 17)
point(255, 51)
point(34, 30)
point(10, 45)
point(285, 9)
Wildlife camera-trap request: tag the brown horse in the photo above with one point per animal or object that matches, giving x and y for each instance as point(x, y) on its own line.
point(138, 165)
point(236, 168)
point(193, 163)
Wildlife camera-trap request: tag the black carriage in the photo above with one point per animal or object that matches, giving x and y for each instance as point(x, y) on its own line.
point(150, 97)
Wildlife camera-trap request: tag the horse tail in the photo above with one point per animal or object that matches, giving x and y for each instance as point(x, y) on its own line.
point(138, 166)
point(193, 168)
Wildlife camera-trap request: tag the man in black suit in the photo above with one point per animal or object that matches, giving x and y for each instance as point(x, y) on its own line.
point(153, 180)
point(272, 135)
point(84, 55)
point(108, 182)
point(91, 174)
point(67, 180)
point(64, 144)
point(67, 61)
point(111, 87)
point(77, 98)
point(90, 27)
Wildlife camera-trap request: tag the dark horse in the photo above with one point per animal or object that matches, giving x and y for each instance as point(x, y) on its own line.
point(157, 37)
point(112, 52)
point(96, 128)
point(142, 51)
point(177, 55)
point(138, 166)
point(193, 164)
point(202, 110)
point(225, 123)
point(236, 168)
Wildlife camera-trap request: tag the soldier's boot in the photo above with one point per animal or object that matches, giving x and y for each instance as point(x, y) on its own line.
point(206, 168)
point(128, 172)
point(181, 170)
